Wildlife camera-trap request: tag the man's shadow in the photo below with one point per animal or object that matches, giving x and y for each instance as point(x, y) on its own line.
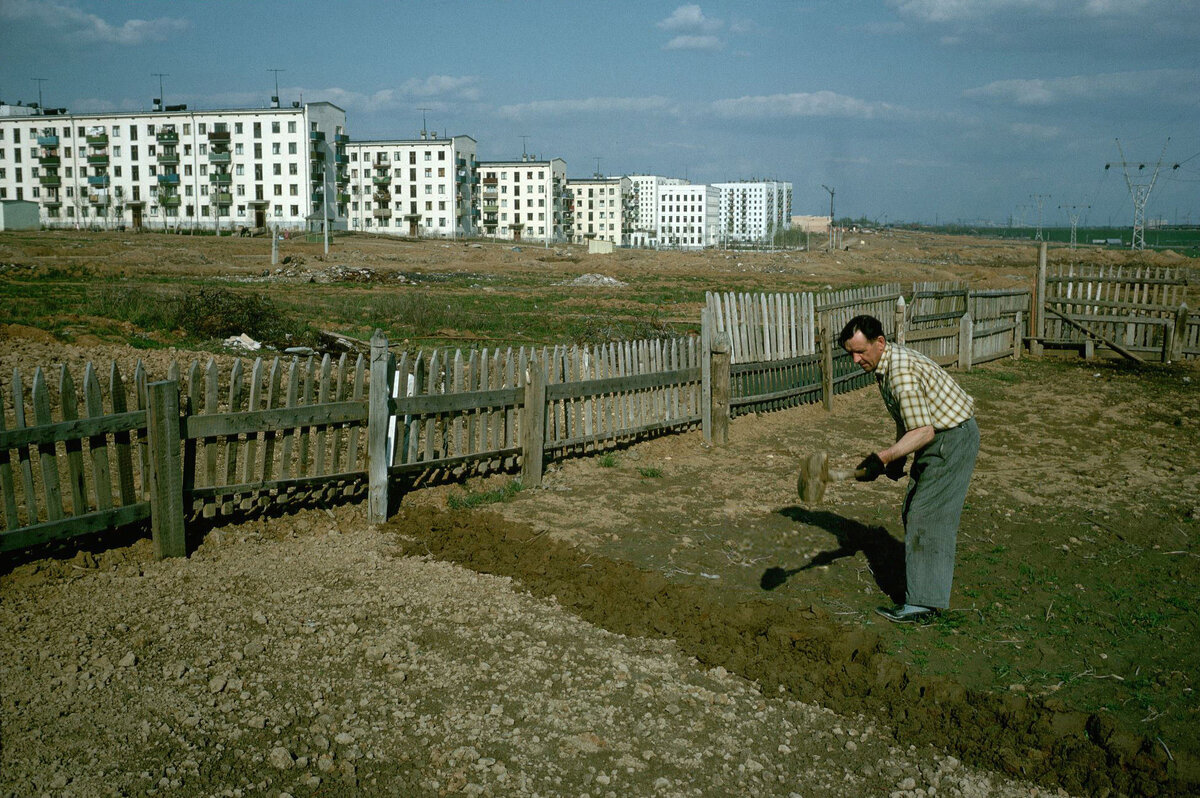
point(885, 554)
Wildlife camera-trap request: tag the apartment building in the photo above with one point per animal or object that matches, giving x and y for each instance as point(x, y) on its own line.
point(413, 187)
point(172, 168)
point(688, 216)
point(644, 232)
point(752, 211)
point(524, 199)
point(603, 208)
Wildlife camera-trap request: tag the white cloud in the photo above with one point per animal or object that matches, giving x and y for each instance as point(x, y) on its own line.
point(802, 104)
point(1029, 130)
point(463, 88)
point(690, 18)
point(694, 43)
point(79, 25)
point(588, 105)
point(1101, 87)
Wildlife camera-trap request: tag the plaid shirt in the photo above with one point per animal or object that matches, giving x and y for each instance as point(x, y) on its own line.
point(919, 392)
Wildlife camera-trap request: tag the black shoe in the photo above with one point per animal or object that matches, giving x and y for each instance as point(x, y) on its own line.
point(908, 613)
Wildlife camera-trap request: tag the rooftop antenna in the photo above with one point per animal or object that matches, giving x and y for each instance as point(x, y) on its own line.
point(598, 173)
point(1140, 192)
point(1039, 199)
point(40, 81)
point(1073, 215)
point(160, 76)
point(275, 96)
point(831, 193)
point(524, 152)
point(424, 133)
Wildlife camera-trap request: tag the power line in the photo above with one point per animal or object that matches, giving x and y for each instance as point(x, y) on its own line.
point(1139, 191)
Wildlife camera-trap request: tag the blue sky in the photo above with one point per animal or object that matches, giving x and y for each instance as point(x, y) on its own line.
point(911, 110)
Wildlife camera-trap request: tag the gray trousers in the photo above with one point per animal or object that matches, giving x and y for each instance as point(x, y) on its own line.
point(937, 488)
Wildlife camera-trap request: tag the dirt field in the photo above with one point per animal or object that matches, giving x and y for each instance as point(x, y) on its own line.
point(742, 621)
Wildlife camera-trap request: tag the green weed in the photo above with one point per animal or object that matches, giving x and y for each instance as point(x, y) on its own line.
point(608, 460)
point(471, 500)
point(650, 472)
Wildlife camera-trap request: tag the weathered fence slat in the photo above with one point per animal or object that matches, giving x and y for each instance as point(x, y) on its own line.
point(97, 444)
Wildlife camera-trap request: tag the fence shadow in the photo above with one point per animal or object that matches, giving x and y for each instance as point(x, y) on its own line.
point(884, 553)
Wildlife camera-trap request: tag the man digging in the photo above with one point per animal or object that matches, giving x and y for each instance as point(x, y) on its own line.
point(935, 423)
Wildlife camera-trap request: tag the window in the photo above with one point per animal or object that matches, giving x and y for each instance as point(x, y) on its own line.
point(275, 149)
point(237, 128)
point(274, 127)
point(187, 129)
point(237, 149)
point(258, 130)
point(292, 169)
point(276, 169)
point(292, 126)
point(291, 148)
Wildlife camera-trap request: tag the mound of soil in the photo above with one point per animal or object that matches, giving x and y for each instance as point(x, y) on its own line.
point(809, 654)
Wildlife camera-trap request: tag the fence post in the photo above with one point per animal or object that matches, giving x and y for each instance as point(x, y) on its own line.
point(1037, 312)
point(966, 342)
point(1018, 344)
point(719, 410)
point(533, 424)
point(826, 364)
point(1179, 333)
point(166, 474)
point(377, 429)
point(706, 398)
point(901, 312)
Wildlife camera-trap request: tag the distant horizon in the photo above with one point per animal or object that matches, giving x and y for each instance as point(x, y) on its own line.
point(922, 110)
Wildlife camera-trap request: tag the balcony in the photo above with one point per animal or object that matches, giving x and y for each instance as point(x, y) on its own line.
point(343, 198)
point(218, 136)
point(98, 198)
point(490, 181)
point(383, 197)
point(317, 135)
point(170, 201)
point(47, 141)
point(381, 166)
point(318, 197)
point(163, 137)
point(100, 181)
point(220, 178)
point(382, 213)
point(491, 208)
point(317, 156)
point(223, 198)
point(341, 138)
point(98, 140)
point(167, 180)
point(100, 159)
point(50, 161)
point(219, 157)
point(50, 181)
point(382, 180)
point(168, 158)
point(341, 159)
point(52, 202)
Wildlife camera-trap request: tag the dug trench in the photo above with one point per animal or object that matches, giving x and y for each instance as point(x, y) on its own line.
point(811, 655)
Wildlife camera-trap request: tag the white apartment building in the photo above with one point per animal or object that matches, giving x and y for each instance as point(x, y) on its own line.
point(644, 232)
point(752, 211)
point(413, 187)
point(601, 208)
point(179, 169)
point(523, 200)
point(688, 216)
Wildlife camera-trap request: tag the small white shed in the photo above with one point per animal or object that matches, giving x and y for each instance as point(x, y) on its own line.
point(19, 215)
point(598, 246)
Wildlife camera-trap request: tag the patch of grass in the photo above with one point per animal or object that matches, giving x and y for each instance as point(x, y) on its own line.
point(608, 460)
point(471, 500)
point(650, 472)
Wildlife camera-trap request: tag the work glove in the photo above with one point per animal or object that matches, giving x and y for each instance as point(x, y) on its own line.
point(895, 469)
point(872, 467)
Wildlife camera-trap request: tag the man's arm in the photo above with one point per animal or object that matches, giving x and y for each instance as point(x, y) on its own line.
point(911, 441)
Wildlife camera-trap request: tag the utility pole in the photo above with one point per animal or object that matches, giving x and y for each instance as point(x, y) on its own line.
point(1039, 199)
point(831, 193)
point(162, 104)
point(1073, 215)
point(1140, 192)
point(40, 81)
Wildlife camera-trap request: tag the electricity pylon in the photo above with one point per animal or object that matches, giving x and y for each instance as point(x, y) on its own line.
point(1140, 192)
point(1073, 215)
point(1039, 199)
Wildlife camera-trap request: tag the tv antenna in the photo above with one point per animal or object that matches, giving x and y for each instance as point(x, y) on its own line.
point(1139, 191)
point(524, 150)
point(1039, 199)
point(160, 76)
point(598, 173)
point(40, 81)
point(423, 126)
point(1073, 215)
point(275, 96)
point(831, 193)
